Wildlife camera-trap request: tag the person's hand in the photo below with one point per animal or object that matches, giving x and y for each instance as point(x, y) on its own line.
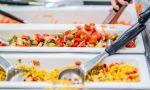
point(114, 3)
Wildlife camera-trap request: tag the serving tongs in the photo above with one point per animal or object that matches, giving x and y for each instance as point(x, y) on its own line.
point(11, 16)
point(20, 3)
point(10, 71)
point(115, 14)
point(126, 37)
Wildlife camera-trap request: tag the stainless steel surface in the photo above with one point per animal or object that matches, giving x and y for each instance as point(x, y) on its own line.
point(10, 71)
point(13, 74)
point(80, 72)
point(5, 64)
point(94, 61)
point(73, 74)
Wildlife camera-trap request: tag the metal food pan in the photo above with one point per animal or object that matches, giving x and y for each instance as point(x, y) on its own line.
point(53, 60)
point(7, 31)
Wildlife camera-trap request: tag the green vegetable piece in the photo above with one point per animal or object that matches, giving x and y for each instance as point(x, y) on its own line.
point(69, 42)
point(112, 36)
point(14, 37)
point(73, 31)
point(50, 44)
point(10, 41)
point(30, 42)
point(59, 35)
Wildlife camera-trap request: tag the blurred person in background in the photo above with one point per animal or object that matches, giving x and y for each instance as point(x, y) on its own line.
point(144, 3)
point(140, 5)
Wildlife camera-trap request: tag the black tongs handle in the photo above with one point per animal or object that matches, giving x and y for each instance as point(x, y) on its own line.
point(125, 38)
point(144, 16)
point(130, 33)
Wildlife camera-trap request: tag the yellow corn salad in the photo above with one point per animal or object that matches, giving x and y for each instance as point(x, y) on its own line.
point(118, 72)
point(113, 72)
point(2, 74)
point(35, 74)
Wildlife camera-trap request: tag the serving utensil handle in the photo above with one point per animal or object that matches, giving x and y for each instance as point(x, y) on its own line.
point(4, 63)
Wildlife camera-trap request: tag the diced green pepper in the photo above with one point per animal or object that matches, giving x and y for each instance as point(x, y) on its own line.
point(73, 31)
point(112, 36)
point(69, 42)
point(59, 35)
point(30, 42)
point(15, 37)
point(50, 44)
point(10, 41)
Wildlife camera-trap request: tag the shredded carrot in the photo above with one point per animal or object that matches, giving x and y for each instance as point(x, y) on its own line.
point(138, 8)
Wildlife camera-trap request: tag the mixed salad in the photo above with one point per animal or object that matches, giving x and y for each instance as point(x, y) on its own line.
point(82, 36)
point(118, 72)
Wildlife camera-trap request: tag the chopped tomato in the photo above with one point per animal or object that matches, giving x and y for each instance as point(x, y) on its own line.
point(27, 44)
point(67, 32)
point(4, 44)
point(99, 35)
point(79, 27)
point(39, 38)
point(87, 27)
point(75, 44)
point(78, 39)
point(60, 44)
point(77, 35)
point(26, 37)
point(36, 62)
point(93, 29)
point(77, 62)
point(92, 41)
point(45, 35)
point(63, 39)
point(34, 79)
point(130, 44)
point(92, 24)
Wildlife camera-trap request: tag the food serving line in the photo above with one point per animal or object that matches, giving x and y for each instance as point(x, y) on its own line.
point(50, 58)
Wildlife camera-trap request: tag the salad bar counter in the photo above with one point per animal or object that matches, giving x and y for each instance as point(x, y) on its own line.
point(32, 56)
